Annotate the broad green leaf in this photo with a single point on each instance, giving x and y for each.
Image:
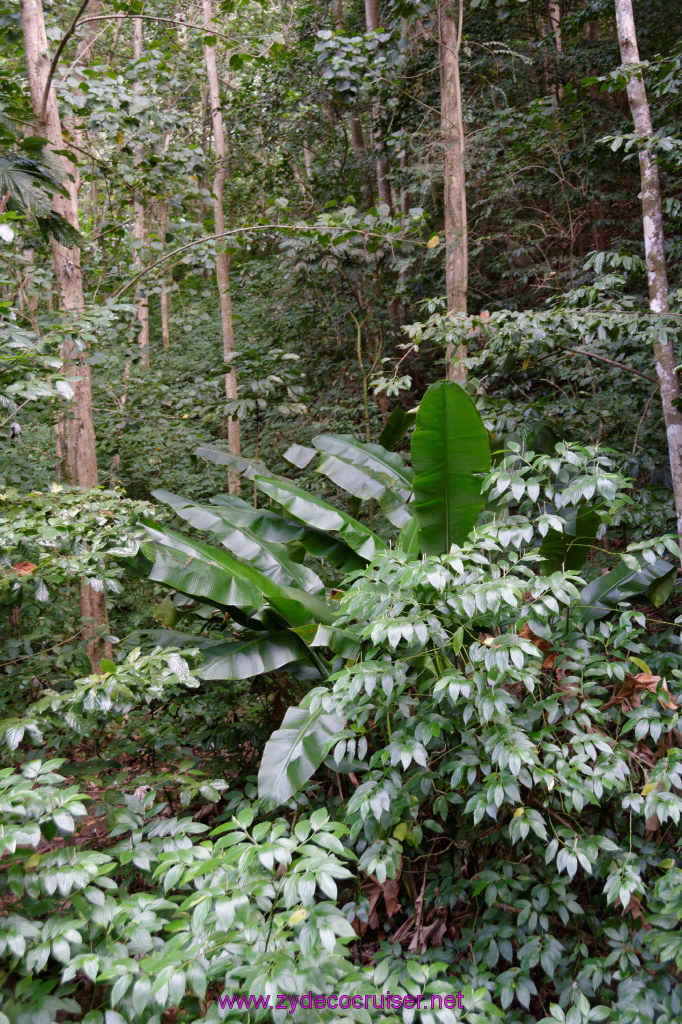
(397, 425)
(318, 514)
(271, 526)
(201, 570)
(622, 583)
(367, 471)
(569, 550)
(295, 751)
(246, 467)
(450, 452)
(269, 557)
(408, 538)
(244, 659)
(299, 455)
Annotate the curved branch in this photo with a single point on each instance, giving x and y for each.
(612, 362)
(244, 230)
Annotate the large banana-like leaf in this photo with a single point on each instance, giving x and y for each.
(367, 471)
(602, 595)
(375, 464)
(271, 526)
(569, 550)
(268, 556)
(450, 452)
(318, 514)
(239, 659)
(243, 659)
(246, 467)
(397, 425)
(295, 751)
(201, 570)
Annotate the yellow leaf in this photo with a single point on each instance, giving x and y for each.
(119, 138)
(400, 831)
(640, 663)
(526, 363)
(518, 812)
(432, 242)
(298, 916)
(649, 788)
(185, 416)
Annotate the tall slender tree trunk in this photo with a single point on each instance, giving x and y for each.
(138, 227)
(454, 181)
(654, 248)
(165, 298)
(222, 258)
(554, 17)
(357, 138)
(78, 434)
(383, 182)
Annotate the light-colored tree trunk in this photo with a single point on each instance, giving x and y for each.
(78, 436)
(384, 190)
(357, 138)
(654, 247)
(165, 287)
(554, 17)
(138, 227)
(222, 258)
(454, 181)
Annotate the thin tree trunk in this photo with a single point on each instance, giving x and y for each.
(654, 248)
(357, 138)
(165, 289)
(383, 183)
(222, 258)
(308, 161)
(454, 181)
(554, 16)
(138, 227)
(78, 434)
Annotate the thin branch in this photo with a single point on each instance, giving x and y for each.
(55, 60)
(320, 228)
(612, 362)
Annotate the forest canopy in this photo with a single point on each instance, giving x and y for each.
(340, 511)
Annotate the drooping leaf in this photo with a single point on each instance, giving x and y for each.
(246, 467)
(397, 425)
(450, 452)
(295, 751)
(243, 659)
(367, 471)
(201, 570)
(268, 556)
(318, 514)
(299, 455)
(570, 549)
(655, 579)
(271, 526)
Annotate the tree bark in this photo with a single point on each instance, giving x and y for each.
(138, 227)
(654, 248)
(78, 433)
(384, 190)
(454, 180)
(357, 138)
(165, 288)
(222, 258)
(554, 17)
